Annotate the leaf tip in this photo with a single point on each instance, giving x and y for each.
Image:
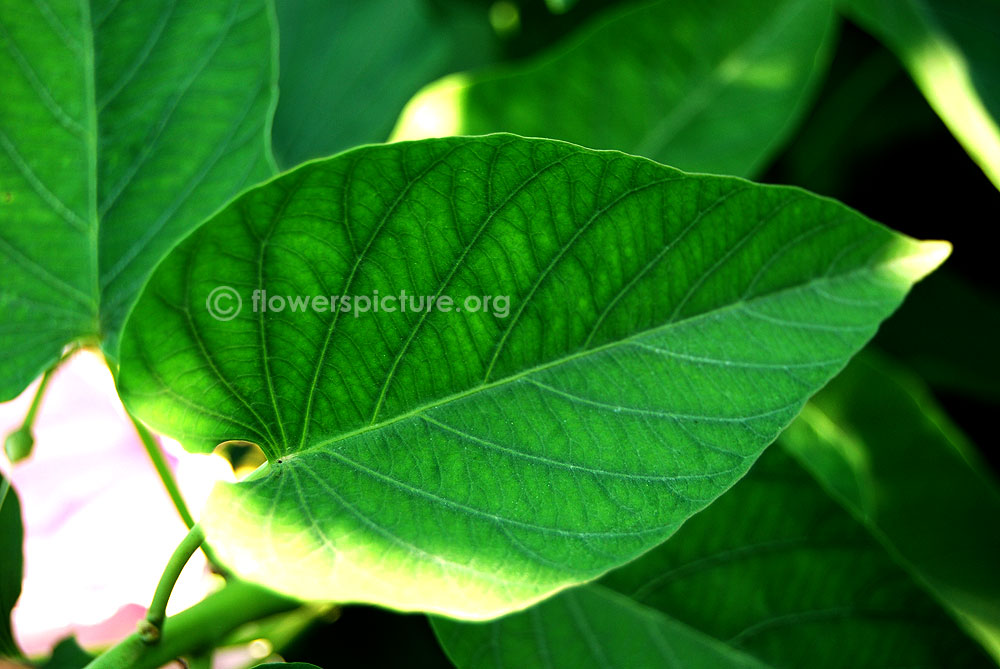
(924, 259)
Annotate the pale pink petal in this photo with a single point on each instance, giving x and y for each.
(99, 526)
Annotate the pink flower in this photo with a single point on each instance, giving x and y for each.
(99, 526)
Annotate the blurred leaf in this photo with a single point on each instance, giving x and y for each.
(774, 570)
(878, 442)
(704, 86)
(348, 68)
(11, 564)
(286, 665)
(560, 6)
(123, 125)
(68, 655)
(950, 49)
(463, 465)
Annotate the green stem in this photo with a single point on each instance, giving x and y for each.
(163, 469)
(197, 629)
(21, 441)
(29, 418)
(158, 609)
(173, 490)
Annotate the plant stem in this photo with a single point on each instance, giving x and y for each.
(197, 629)
(163, 469)
(29, 418)
(20, 442)
(158, 609)
(170, 483)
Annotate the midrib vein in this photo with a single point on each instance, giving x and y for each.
(580, 355)
(90, 146)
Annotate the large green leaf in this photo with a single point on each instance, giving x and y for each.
(348, 68)
(877, 440)
(466, 463)
(11, 564)
(122, 126)
(950, 49)
(775, 570)
(704, 86)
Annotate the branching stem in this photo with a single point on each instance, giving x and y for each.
(157, 613)
(198, 629)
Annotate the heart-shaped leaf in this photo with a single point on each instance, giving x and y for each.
(123, 125)
(775, 570)
(704, 86)
(662, 328)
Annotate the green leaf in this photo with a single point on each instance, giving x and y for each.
(465, 462)
(340, 87)
(877, 440)
(286, 665)
(123, 126)
(774, 570)
(11, 564)
(704, 86)
(950, 49)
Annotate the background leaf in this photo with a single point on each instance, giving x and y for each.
(879, 443)
(11, 564)
(68, 655)
(348, 68)
(589, 626)
(459, 462)
(947, 335)
(706, 87)
(123, 126)
(949, 47)
(774, 570)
